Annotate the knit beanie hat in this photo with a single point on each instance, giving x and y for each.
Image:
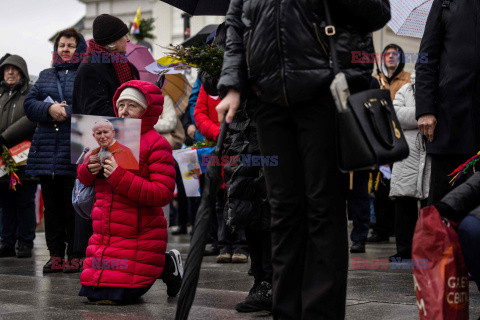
(108, 29)
(133, 94)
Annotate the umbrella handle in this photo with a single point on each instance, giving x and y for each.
(221, 137)
(160, 81)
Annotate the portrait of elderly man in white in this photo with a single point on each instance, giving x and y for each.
(104, 133)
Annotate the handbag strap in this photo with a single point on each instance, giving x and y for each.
(59, 86)
(330, 31)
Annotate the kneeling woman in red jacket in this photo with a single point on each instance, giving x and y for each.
(127, 251)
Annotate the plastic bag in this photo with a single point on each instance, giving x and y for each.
(441, 284)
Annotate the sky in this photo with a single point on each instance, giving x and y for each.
(28, 24)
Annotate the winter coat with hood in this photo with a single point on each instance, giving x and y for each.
(128, 223)
(399, 78)
(448, 83)
(280, 47)
(15, 127)
(206, 116)
(50, 151)
(411, 176)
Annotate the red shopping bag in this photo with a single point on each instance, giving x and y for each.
(441, 285)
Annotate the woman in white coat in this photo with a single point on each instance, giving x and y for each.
(411, 176)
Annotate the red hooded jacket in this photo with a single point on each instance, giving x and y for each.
(127, 248)
(206, 116)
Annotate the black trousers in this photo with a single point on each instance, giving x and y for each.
(442, 166)
(384, 210)
(406, 215)
(260, 248)
(359, 206)
(307, 198)
(18, 214)
(59, 214)
(83, 232)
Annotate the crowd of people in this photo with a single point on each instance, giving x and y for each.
(286, 219)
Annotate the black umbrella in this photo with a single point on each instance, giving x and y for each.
(201, 7)
(201, 36)
(213, 183)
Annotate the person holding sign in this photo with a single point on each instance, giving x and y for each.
(129, 227)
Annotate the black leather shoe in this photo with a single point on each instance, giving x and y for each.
(53, 265)
(73, 265)
(6, 251)
(212, 251)
(24, 251)
(259, 298)
(357, 247)
(375, 238)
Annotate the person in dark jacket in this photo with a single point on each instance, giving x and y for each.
(448, 91)
(463, 205)
(49, 156)
(18, 207)
(105, 69)
(98, 78)
(247, 205)
(295, 120)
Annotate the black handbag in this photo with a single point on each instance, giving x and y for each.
(368, 132)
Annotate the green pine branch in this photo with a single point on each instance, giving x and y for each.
(208, 59)
(146, 28)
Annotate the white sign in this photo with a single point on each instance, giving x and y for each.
(190, 169)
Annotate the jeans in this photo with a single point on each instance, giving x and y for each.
(18, 214)
(228, 241)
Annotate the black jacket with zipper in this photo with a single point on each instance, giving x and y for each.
(280, 47)
(462, 201)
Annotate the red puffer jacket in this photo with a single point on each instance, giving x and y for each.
(205, 115)
(127, 248)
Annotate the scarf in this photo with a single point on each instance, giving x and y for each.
(122, 69)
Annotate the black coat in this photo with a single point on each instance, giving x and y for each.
(463, 200)
(447, 85)
(94, 87)
(247, 202)
(280, 47)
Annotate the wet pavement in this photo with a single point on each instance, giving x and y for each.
(25, 293)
